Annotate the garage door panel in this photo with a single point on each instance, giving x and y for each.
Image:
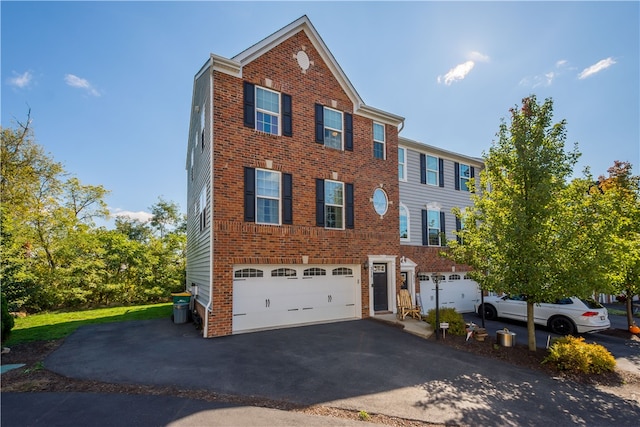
(463, 295)
(266, 302)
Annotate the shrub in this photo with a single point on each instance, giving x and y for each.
(7, 319)
(450, 316)
(573, 354)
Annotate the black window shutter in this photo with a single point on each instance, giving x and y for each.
(443, 236)
(473, 172)
(423, 169)
(287, 126)
(349, 214)
(287, 198)
(458, 228)
(320, 202)
(348, 132)
(457, 175)
(249, 105)
(249, 194)
(441, 172)
(425, 228)
(319, 124)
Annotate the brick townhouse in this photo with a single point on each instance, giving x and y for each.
(293, 192)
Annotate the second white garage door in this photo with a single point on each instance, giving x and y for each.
(456, 291)
(268, 296)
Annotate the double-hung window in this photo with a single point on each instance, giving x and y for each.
(378, 141)
(431, 170)
(404, 222)
(334, 204)
(267, 111)
(268, 196)
(333, 128)
(463, 174)
(402, 164)
(433, 229)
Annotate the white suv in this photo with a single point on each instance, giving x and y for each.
(566, 316)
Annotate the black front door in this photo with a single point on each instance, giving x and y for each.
(380, 297)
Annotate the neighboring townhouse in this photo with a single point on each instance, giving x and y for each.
(432, 182)
(293, 192)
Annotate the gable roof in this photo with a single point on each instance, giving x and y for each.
(441, 152)
(234, 66)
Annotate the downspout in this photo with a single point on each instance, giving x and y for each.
(208, 308)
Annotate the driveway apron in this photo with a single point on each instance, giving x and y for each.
(359, 365)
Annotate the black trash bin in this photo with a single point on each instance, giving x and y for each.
(180, 312)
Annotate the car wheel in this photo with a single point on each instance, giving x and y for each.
(561, 325)
(490, 311)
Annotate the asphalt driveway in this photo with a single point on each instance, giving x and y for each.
(360, 365)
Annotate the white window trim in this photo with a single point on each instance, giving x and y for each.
(271, 113)
(383, 142)
(403, 163)
(408, 238)
(343, 206)
(324, 124)
(279, 198)
(437, 170)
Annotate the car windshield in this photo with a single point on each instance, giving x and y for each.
(591, 303)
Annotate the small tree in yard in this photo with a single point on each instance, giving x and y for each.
(520, 235)
(620, 206)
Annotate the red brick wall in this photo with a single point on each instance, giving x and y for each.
(236, 147)
(429, 260)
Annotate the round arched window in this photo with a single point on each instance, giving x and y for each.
(380, 201)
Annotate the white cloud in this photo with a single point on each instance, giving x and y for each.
(478, 57)
(141, 216)
(75, 81)
(596, 68)
(459, 72)
(561, 63)
(20, 80)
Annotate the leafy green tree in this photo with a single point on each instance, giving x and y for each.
(519, 233)
(619, 195)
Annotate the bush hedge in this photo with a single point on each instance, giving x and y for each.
(574, 355)
(448, 315)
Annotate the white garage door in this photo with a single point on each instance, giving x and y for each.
(456, 291)
(270, 296)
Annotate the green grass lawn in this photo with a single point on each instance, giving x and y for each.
(56, 325)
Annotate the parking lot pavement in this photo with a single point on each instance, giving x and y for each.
(114, 410)
(355, 365)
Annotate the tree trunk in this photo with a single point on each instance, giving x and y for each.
(629, 308)
(531, 327)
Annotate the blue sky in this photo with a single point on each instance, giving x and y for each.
(109, 84)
